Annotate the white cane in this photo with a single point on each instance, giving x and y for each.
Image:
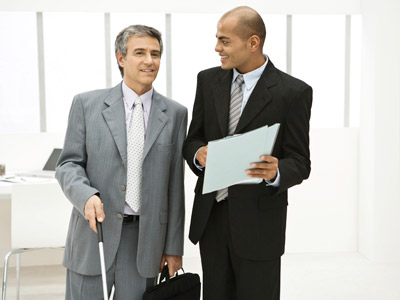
(102, 261)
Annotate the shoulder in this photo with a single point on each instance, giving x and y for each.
(293, 82)
(94, 94)
(287, 88)
(170, 104)
(211, 73)
(99, 96)
(286, 80)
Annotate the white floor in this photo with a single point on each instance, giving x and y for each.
(347, 276)
(338, 277)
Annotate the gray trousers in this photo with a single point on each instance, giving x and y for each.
(123, 274)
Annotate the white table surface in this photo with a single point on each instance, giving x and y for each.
(5, 190)
(5, 187)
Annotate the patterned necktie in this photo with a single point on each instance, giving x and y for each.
(234, 116)
(135, 157)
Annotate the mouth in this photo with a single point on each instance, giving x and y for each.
(224, 57)
(147, 70)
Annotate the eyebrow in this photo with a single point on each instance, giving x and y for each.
(144, 49)
(222, 37)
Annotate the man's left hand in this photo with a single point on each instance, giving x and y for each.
(267, 169)
(174, 263)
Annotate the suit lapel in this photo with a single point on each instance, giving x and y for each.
(156, 122)
(222, 92)
(259, 98)
(114, 115)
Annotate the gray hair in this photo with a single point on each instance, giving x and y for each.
(121, 42)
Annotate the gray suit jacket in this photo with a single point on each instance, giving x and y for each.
(94, 160)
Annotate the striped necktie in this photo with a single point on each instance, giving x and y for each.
(234, 116)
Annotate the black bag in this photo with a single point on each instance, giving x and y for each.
(181, 287)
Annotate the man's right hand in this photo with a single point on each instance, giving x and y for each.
(201, 155)
(93, 210)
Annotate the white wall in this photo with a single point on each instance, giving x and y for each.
(323, 210)
(380, 132)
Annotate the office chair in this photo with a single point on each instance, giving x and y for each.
(39, 219)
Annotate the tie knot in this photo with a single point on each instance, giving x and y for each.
(138, 101)
(239, 80)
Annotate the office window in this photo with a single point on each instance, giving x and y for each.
(19, 83)
(74, 50)
(74, 54)
(275, 41)
(193, 44)
(318, 59)
(120, 21)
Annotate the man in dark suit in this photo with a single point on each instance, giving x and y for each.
(242, 229)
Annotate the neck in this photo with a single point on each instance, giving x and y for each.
(138, 89)
(255, 62)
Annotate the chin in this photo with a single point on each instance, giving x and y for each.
(148, 80)
(226, 67)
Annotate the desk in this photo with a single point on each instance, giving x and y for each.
(5, 186)
(5, 190)
(35, 258)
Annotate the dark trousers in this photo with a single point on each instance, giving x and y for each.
(226, 276)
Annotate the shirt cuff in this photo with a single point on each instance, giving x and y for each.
(276, 182)
(196, 163)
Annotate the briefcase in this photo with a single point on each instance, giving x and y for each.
(185, 286)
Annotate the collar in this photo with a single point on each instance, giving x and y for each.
(130, 97)
(251, 78)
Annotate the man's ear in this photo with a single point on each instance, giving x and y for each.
(253, 43)
(120, 59)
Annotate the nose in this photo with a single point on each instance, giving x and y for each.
(148, 58)
(218, 47)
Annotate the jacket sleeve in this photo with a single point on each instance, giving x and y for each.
(295, 164)
(176, 195)
(195, 138)
(71, 165)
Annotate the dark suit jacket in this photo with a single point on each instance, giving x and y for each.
(257, 213)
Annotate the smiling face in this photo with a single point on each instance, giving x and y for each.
(231, 47)
(141, 63)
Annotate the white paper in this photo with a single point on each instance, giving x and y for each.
(230, 157)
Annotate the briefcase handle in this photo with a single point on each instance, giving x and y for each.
(165, 274)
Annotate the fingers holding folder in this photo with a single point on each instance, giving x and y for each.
(267, 169)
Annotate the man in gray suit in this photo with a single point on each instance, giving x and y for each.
(140, 206)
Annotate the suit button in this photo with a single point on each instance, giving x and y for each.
(120, 216)
(122, 162)
(123, 188)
